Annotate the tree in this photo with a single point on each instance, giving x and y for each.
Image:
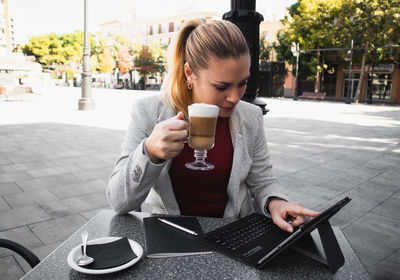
(72, 46)
(118, 44)
(94, 63)
(52, 50)
(158, 52)
(320, 24)
(312, 23)
(106, 62)
(144, 62)
(98, 43)
(369, 23)
(124, 60)
(264, 51)
(47, 49)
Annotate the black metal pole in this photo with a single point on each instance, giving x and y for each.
(243, 14)
(350, 87)
(322, 85)
(296, 84)
(371, 87)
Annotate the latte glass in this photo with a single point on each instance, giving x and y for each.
(202, 124)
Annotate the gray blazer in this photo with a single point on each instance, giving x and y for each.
(137, 182)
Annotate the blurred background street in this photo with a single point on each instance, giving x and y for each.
(331, 85)
(55, 162)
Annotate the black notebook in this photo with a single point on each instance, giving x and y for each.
(163, 240)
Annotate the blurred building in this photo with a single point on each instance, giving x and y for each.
(126, 25)
(16, 69)
(6, 28)
(269, 31)
(274, 79)
(151, 31)
(382, 79)
(162, 30)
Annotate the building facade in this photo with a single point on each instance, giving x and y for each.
(162, 30)
(382, 84)
(127, 25)
(338, 82)
(153, 31)
(269, 31)
(6, 28)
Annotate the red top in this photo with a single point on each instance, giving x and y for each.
(203, 193)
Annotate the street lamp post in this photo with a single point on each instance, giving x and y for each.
(295, 48)
(350, 86)
(86, 102)
(243, 13)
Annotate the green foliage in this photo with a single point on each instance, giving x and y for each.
(59, 51)
(109, 51)
(52, 49)
(150, 59)
(376, 22)
(106, 62)
(159, 56)
(124, 60)
(94, 63)
(312, 24)
(98, 44)
(317, 24)
(306, 60)
(121, 43)
(264, 51)
(144, 61)
(47, 49)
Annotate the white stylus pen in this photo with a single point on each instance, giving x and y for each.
(177, 226)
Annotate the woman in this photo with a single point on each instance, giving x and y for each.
(210, 64)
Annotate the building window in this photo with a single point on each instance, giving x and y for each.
(171, 27)
(151, 30)
(159, 28)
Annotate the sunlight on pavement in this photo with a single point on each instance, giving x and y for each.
(59, 105)
(358, 114)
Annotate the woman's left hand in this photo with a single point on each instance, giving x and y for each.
(281, 210)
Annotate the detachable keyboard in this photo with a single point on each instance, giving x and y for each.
(238, 234)
(247, 239)
(255, 239)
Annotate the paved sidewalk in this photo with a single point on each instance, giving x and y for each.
(54, 164)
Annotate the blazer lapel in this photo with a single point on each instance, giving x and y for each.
(232, 207)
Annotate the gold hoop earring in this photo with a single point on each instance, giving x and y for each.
(189, 86)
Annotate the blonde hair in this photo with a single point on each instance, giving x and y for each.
(196, 43)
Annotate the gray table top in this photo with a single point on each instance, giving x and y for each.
(209, 266)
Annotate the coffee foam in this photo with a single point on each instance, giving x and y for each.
(203, 110)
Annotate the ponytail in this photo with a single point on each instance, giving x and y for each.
(179, 95)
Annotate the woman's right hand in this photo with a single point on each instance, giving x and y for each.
(167, 139)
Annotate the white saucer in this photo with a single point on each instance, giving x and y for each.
(75, 253)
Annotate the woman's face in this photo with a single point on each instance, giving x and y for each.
(222, 84)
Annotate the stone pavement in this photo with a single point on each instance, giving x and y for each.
(55, 161)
